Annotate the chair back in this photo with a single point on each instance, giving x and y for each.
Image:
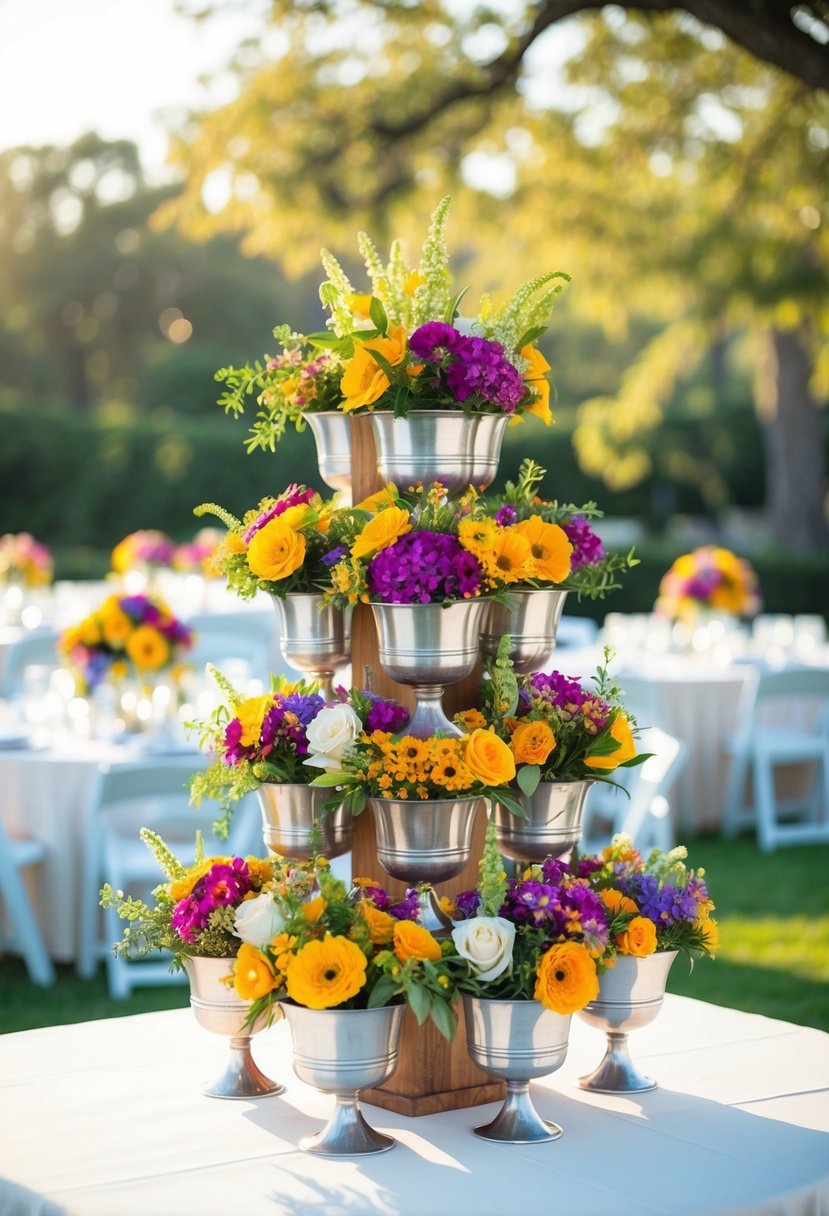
(643, 811)
(797, 697)
(38, 648)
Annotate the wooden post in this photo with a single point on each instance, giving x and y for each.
(432, 1075)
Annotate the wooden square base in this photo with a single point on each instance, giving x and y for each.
(434, 1075)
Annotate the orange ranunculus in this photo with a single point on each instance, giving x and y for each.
(566, 979)
(253, 975)
(387, 497)
(550, 548)
(313, 909)
(621, 732)
(532, 742)
(326, 973)
(639, 939)
(276, 550)
(363, 380)
(615, 901)
(489, 758)
(380, 924)
(413, 941)
(148, 648)
(383, 530)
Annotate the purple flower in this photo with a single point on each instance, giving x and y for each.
(294, 496)
(530, 902)
(408, 908)
(375, 895)
(187, 919)
(224, 884)
(386, 715)
(467, 904)
(334, 556)
(556, 688)
(555, 871)
(424, 568)
(587, 547)
(434, 340)
(480, 369)
(506, 516)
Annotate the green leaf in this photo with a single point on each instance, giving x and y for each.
(378, 315)
(528, 777)
(420, 1002)
(330, 777)
(507, 800)
(444, 1018)
(382, 992)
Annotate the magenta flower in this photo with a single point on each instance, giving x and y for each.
(424, 568)
(588, 549)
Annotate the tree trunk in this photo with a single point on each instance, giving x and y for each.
(796, 491)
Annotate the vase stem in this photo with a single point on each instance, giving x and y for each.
(617, 1072)
(346, 1133)
(428, 718)
(518, 1122)
(242, 1077)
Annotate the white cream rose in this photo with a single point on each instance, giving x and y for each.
(486, 942)
(330, 735)
(258, 920)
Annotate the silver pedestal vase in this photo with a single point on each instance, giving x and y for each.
(424, 841)
(332, 434)
(342, 1051)
(218, 1009)
(516, 1041)
(553, 821)
(314, 638)
(630, 996)
(531, 618)
(294, 826)
(426, 647)
(438, 445)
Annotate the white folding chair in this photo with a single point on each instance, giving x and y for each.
(37, 648)
(232, 650)
(125, 798)
(784, 721)
(26, 937)
(644, 812)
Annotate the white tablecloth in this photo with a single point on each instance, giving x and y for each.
(107, 1119)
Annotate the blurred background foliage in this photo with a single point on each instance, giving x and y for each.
(678, 178)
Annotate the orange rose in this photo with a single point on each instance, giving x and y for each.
(253, 975)
(380, 925)
(413, 941)
(639, 939)
(532, 742)
(566, 979)
(387, 527)
(489, 758)
(626, 749)
(276, 550)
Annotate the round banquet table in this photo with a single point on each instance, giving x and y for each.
(107, 1119)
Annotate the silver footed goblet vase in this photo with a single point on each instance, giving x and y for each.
(631, 995)
(219, 1009)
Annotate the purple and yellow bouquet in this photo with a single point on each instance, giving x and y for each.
(201, 910)
(149, 548)
(288, 543)
(709, 578)
(199, 555)
(127, 635)
(654, 903)
(24, 560)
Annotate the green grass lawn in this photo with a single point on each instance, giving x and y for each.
(772, 909)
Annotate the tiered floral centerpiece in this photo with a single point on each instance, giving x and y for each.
(710, 579)
(24, 560)
(147, 550)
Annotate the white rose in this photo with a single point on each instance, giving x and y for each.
(486, 942)
(258, 920)
(330, 735)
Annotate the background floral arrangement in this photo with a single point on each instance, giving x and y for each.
(397, 346)
(201, 910)
(541, 936)
(24, 560)
(591, 570)
(557, 729)
(327, 948)
(379, 764)
(127, 635)
(283, 736)
(147, 548)
(709, 578)
(655, 903)
(285, 544)
(198, 556)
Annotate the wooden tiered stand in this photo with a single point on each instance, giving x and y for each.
(432, 1075)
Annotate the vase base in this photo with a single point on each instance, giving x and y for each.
(242, 1079)
(354, 1140)
(612, 1078)
(508, 1131)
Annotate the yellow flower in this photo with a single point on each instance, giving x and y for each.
(379, 924)
(489, 758)
(326, 973)
(413, 941)
(550, 548)
(253, 975)
(314, 908)
(383, 530)
(148, 648)
(532, 742)
(639, 939)
(471, 719)
(412, 281)
(276, 550)
(510, 560)
(116, 627)
(566, 978)
(387, 497)
(360, 304)
(615, 901)
(535, 376)
(363, 381)
(477, 535)
(621, 732)
(710, 933)
(251, 714)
